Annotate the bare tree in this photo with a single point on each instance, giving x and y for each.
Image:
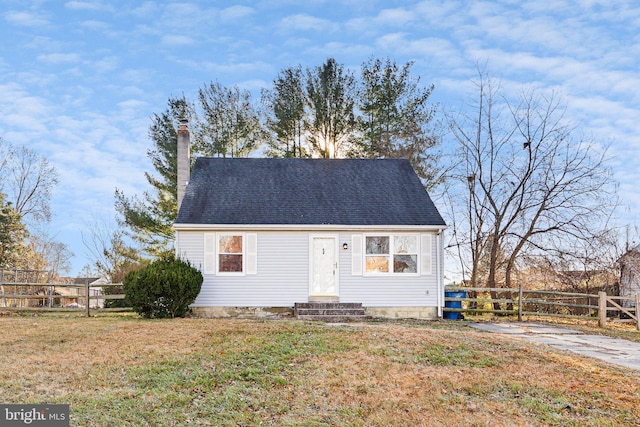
(53, 256)
(108, 251)
(28, 182)
(529, 184)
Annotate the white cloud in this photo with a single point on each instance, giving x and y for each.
(23, 114)
(342, 51)
(86, 5)
(230, 69)
(394, 17)
(235, 12)
(25, 19)
(105, 64)
(177, 40)
(427, 48)
(303, 22)
(59, 58)
(95, 25)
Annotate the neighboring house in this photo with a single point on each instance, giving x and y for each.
(269, 233)
(630, 272)
(95, 292)
(50, 292)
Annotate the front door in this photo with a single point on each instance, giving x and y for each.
(324, 266)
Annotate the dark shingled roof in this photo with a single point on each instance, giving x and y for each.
(306, 191)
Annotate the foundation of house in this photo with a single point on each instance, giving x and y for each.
(426, 313)
(242, 312)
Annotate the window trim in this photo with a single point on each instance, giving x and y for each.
(211, 262)
(391, 255)
(243, 236)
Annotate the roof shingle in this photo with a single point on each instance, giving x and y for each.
(306, 191)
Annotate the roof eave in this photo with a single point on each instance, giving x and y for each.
(305, 227)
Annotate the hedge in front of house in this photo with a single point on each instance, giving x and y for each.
(163, 289)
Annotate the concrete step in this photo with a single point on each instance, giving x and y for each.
(329, 312)
(331, 319)
(328, 305)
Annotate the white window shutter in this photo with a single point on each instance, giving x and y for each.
(209, 253)
(356, 255)
(252, 254)
(425, 254)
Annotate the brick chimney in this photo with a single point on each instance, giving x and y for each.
(184, 163)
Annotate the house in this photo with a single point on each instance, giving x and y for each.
(270, 233)
(95, 290)
(629, 264)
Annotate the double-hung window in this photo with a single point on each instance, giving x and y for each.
(389, 254)
(230, 253)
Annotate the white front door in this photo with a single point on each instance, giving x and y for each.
(324, 267)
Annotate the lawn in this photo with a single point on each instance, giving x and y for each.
(126, 371)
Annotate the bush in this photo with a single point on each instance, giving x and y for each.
(163, 289)
(114, 303)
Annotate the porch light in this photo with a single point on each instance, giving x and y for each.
(345, 246)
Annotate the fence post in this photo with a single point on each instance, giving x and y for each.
(520, 302)
(87, 300)
(638, 312)
(602, 309)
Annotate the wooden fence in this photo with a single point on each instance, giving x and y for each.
(17, 295)
(502, 301)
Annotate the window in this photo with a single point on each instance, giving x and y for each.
(391, 254)
(230, 254)
(377, 255)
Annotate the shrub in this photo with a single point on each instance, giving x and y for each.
(163, 289)
(114, 303)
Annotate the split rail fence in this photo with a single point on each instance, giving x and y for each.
(518, 302)
(22, 290)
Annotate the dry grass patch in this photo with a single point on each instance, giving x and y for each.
(119, 371)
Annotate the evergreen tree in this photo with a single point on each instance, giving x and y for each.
(12, 236)
(285, 114)
(150, 218)
(230, 126)
(396, 119)
(331, 101)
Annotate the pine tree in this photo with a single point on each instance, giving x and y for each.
(396, 118)
(285, 114)
(331, 100)
(230, 126)
(150, 218)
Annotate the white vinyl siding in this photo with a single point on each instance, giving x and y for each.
(282, 271)
(279, 260)
(385, 290)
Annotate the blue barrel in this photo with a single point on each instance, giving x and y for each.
(453, 315)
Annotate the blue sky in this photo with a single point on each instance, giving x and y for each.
(80, 80)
